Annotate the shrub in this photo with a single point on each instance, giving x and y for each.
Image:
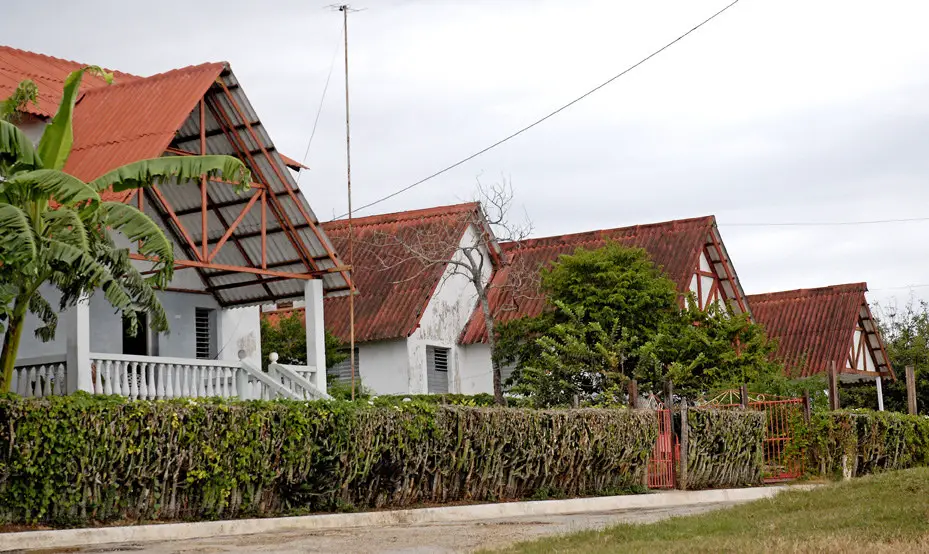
(725, 448)
(80, 459)
(868, 442)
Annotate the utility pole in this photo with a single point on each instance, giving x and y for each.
(344, 8)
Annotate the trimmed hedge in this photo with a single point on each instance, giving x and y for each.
(868, 442)
(80, 459)
(725, 448)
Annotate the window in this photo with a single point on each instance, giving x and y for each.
(205, 333)
(437, 360)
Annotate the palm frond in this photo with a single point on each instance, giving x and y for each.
(58, 185)
(136, 226)
(16, 149)
(66, 225)
(58, 137)
(181, 168)
(17, 240)
(40, 308)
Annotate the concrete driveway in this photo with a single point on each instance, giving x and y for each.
(407, 539)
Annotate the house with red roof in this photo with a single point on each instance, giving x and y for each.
(691, 252)
(412, 300)
(233, 251)
(821, 327)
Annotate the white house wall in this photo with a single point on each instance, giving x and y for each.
(474, 369)
(385, 366)
(444, 318)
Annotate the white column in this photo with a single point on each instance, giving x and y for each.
(880, 394)
(315, 331)
(78, 344)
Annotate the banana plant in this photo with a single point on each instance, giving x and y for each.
(56, 230)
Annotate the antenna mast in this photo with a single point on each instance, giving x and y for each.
(344, 8)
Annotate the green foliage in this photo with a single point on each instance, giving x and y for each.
(614, 316)
(725, 448)
(78, 459)
(863, 442)
(26, 93)
(55, 230)
(576, 359)
(472, 400)
(286, 335)
(905, 332)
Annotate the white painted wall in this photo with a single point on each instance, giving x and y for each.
(385, 366)
(474, 369)
(444, 318)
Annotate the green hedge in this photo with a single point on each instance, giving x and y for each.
(724, 448)
(868, 442)
(80, 459)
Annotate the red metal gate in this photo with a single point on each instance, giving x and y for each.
(661, 464)
(781, 461)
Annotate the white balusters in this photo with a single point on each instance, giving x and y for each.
(40, 376)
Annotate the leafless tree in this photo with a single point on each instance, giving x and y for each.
(432, 245)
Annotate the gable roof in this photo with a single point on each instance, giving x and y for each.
(674, 246)
(393, 288)
(270, 248)
(817, 326)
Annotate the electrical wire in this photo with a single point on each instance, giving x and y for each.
(319, 110)
(550, 115)
(825, 223)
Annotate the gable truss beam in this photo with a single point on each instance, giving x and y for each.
(227, 204)
(319, 236)
(730, 275)
(238, 269)
(211, 133)
(276, 208)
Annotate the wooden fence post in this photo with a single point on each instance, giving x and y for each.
(633, 389)
(669, 393)
(806, 405)
(685, 440)
(911, 389)
(743, 396)
(833, 387)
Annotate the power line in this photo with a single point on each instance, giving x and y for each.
(319, 110)
(552, 114)
(826, 223)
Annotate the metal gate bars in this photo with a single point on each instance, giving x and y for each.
(781, 464)
(661, 464)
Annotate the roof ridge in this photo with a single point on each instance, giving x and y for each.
(418, 214)
(601, 234)
(20, 51)
(844, 288)
(156, 77)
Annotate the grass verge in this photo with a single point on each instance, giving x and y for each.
(881, 513)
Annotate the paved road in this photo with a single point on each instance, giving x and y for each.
(407, 539)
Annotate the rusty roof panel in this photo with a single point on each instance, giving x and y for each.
(813, 326)
(391, 298)
(674, 246)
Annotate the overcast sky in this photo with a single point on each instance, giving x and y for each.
(778, 111)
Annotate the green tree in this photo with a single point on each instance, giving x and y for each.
(286, 335)
(906, 339)
(705, 351)
(55, 229)
(614, 316)
(577, 361)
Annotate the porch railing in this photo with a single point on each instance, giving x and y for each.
(296, 378)
(41, 376)
(149, 378)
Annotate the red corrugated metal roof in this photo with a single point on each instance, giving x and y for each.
(813, 326)
(120, 124)
(390, 300)
(49, 74)
(674, 246)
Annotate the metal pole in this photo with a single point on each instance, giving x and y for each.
(348, 179)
